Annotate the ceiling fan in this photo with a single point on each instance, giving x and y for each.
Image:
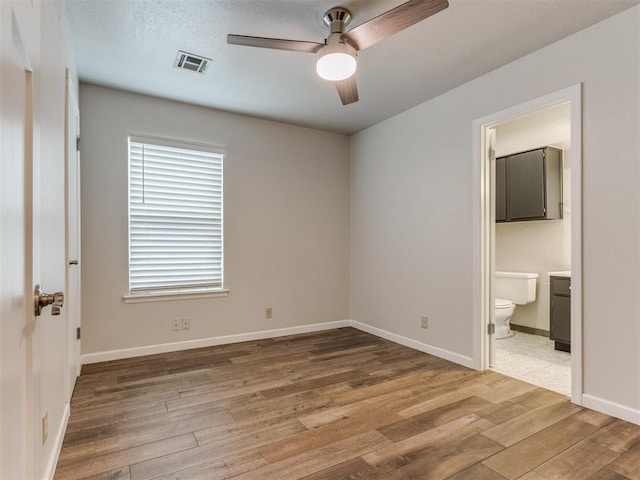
(337, 55)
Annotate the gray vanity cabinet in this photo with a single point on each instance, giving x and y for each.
(560, 313)
(529, 186)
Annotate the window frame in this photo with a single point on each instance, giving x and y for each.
(152, 294)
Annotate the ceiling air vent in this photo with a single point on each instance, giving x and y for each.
(190, 61)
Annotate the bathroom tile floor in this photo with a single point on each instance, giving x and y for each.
(532, 359)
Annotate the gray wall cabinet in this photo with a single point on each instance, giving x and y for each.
(529, 186)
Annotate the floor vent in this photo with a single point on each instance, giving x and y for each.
(190, 61)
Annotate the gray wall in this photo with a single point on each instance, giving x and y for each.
(286, 223)
(412, 206)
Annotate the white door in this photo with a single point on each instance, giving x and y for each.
(72, 207)
(16, 252)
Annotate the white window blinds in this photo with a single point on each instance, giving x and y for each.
(175, 216)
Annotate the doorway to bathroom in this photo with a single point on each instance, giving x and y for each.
(527, 259)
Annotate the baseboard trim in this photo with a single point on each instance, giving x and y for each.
(415, 344)
(209, 342)
(531, 330)
(611, 408)
(50, 469)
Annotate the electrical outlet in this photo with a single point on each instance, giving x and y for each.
(45, 427)
(186, 323)
(177, 324)
(268, 312)
(424, 321)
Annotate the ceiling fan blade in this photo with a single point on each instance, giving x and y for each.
(275, 43)
(392, 22)
(348, 90)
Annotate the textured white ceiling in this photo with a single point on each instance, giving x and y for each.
(132, 44)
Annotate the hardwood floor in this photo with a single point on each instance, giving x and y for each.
(340, 404)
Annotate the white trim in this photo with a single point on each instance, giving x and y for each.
(175, 143)
(611, 408)
(575, 97)
(209, 342)
(168, 295)
(479, 255)
(482, 256)
(484, 245)
(50, 469)
(415, 344)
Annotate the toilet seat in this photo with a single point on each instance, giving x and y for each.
(503, 303)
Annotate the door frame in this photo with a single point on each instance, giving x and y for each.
(72, 301)
(484, 228)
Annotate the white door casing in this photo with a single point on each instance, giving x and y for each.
(491, 239)
(483, 248)
(72, 244)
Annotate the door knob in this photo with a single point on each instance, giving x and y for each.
(42, 299)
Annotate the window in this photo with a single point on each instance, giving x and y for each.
(175, 217)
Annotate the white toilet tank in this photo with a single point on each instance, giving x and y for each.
(519, 287)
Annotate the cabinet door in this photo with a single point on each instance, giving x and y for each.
(501, 189)
(525, 186)
(561, 319)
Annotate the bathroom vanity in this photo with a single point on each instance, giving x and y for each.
(560, 310)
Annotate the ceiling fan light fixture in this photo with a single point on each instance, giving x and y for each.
(336, 60)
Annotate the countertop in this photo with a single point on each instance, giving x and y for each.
(562, 273)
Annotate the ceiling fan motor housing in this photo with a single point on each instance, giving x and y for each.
(337, 19)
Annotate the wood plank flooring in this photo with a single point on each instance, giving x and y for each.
(335, 405)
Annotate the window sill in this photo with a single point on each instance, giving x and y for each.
(170, 295)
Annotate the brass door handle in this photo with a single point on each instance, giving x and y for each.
(42, 299)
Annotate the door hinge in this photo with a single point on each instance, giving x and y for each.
(78, 143)
(78, 333)
(491, 329)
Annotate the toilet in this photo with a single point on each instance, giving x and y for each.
(511, 289)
